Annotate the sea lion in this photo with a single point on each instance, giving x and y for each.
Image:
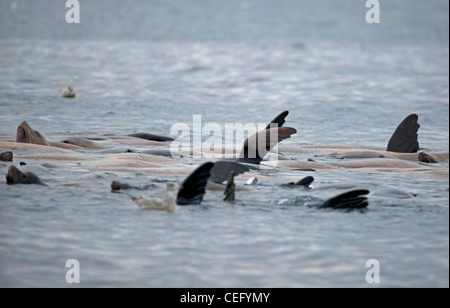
(375, 163)
(6, 156)
(25, 134)
(85, 143)
(116, 186)
(67, 92)
(15, 176)
(167, 203)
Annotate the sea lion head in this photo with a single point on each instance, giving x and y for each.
(6, 156)
(25, 134)
(426, 158)
(15, 176)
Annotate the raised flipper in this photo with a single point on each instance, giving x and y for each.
(350, 200)
(228, 195)
(257, 146)
(405, 138)
(193, 188)
(221, 170)
(305, 183)
(278, 121)
(152, 137)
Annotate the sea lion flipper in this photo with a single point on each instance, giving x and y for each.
(193, 188)
(305, 181)
(254, 150)
(152, 137)
(278, 121)
(405, 138)
(221, 170)
(350, 200)
(229, 189)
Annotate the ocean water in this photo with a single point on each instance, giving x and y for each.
(146, 65)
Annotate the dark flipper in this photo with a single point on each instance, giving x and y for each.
(305, 181)
(152, 137)
(255, 149)
(193, 188)
(278, 121)
(221, 170)
(405, 139)
(350, 200)
(228, 195)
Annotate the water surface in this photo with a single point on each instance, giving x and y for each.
(145, 66)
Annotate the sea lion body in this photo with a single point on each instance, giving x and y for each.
(85, 143)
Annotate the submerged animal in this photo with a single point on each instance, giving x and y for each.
(116, 186)
(15, 176)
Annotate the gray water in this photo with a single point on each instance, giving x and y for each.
(145, 65)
